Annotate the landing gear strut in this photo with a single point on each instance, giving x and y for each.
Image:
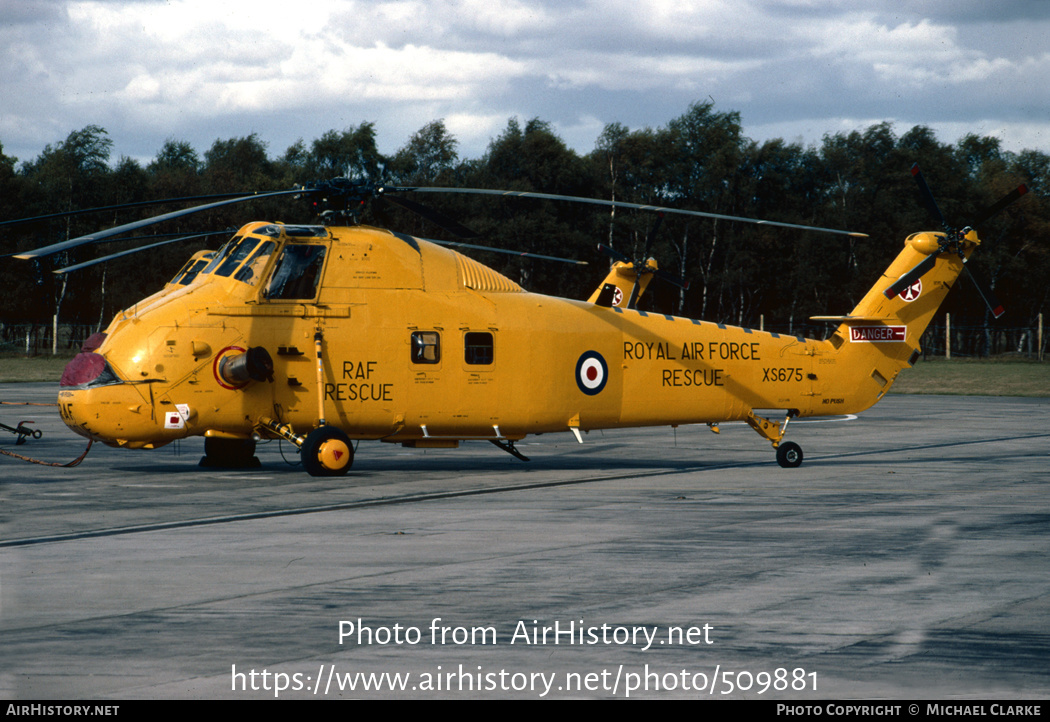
(509, 447)
(325, 451)
(789, 454)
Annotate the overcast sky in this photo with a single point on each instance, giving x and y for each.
(198, 70)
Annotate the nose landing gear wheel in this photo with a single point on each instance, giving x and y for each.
(789, 455)
(327, 452)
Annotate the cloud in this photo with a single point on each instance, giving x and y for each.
(197, 70)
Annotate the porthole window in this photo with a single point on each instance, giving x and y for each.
(426, 347)
(477, 347)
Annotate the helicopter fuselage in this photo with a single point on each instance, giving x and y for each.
(420, 345)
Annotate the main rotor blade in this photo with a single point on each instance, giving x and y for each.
(927, 198)
(987, 296)
(909, 278)
(95, 262)
(128, 238)
(118, 207)
(116, 231)
(652, 235)
(506, 251)
(999, 205)
(638, 206)
(436, 217)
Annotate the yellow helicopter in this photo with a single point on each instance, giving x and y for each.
(328, 334)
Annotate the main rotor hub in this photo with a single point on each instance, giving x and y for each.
(340, 200)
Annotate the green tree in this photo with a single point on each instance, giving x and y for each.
(429, 157)
(705, 147)
(71, 175)
(175, 171)
(237, 164)
(534, 158)
(351, 153)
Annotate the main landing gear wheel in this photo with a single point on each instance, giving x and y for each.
(789, 455)
(327, 452)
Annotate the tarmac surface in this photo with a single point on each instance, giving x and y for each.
(908, 558)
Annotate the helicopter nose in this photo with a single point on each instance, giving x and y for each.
(83, 369)
(95, 402)
(87, 366)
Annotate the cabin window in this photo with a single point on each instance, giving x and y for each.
(426, 347)
(477, 346)
(297, 272)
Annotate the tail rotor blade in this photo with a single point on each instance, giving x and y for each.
(614, 254)
(954, 241)
(927, 197)
(909, 278)
(987, 296)
(1001, 204)
(672, 279)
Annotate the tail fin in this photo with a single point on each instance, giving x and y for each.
(880, 337)
(622, 277)
(910, 310)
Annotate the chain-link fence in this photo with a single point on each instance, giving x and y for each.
(35, 339)
(947, 338)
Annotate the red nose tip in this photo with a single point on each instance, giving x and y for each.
(83, 369)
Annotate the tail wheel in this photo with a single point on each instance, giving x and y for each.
(789, 455)
(327, 452)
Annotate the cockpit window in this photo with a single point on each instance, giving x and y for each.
(253, 267)
(296, 273)
(182, 272)
(235, 256)
(195, 267)
(223, 253)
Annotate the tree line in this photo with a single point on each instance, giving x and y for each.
(701, 160)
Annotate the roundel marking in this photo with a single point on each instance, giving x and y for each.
(591, 373)
(215, 367)
(912, 292)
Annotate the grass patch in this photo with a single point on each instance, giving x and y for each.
(975, 377)
(19, 369)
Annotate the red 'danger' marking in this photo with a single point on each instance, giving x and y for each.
(878, 334)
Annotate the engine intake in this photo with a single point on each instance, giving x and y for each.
(255, 364)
